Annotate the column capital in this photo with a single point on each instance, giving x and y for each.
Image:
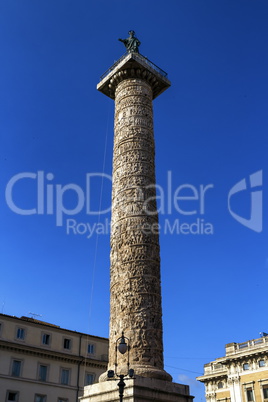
(133, 65)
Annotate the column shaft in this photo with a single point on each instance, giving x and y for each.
(135, 258)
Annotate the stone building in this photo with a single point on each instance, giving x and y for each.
(241, 375)
(41, 362)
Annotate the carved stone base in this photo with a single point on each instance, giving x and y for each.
(139, 389)
(142, 371)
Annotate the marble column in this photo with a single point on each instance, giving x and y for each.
(135, 284)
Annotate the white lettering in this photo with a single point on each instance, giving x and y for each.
(60, 191)
(9, 194)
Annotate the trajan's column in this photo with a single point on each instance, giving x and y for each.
(135, 288)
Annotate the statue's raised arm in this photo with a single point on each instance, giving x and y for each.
(131, 43)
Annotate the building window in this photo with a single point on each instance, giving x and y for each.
(40, 398)
(65, 376)
(262, 363)
(12, 396)
(220, 384)
(45, 339)
(89, 378)
(91, 349)
(246, 366)
(0, 328)
(42, 372)
(20, 333)
(249, 392)
(16, 368)
(265, 392)
(62, 400)
(67, 343)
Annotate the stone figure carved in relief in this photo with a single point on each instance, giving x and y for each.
(131, 43)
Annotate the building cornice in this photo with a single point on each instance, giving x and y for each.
(51, 354)
(245, 357)
(213, 376)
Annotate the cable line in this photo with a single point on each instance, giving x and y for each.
(179, 368)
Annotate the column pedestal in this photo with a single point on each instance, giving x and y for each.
(139, 389)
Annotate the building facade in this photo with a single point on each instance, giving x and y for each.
(41, 362)
(241, 375)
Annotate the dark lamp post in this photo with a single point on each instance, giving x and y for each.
(122, 346)
(121, 386)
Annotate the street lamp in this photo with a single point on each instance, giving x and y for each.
(122, 347)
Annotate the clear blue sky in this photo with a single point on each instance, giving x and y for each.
(210, 128)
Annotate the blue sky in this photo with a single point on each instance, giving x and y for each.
(210, 129)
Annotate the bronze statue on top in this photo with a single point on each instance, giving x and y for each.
(131, 43)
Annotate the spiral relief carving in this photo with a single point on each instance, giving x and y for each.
(135, 305)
